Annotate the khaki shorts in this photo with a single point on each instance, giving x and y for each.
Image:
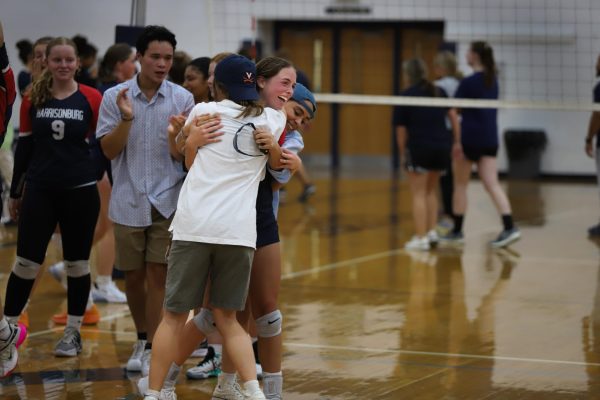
(136, 246)
(192, 264)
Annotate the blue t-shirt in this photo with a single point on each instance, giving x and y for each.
(426, 126)
(597, 100)
(479, 126)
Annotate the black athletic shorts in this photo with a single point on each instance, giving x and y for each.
(424, 158)
(267, 230)
(475, 153)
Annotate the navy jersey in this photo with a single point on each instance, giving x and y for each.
(425, 125)
(53, 148)
(597, 100)
(479, 126)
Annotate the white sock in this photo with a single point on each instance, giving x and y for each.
(226, 378)
(90, 302)
(171, 378)
(273, 383)
(218, 348)
(252, 386)
(103, 280)
(74, 321)
(5, 330)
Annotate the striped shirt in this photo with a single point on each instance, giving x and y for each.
(145, 175)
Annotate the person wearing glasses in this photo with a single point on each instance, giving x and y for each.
(214, 227)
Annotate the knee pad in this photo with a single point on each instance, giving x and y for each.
(77, 269)
(269, 325)
(26, 269)
(205, 321)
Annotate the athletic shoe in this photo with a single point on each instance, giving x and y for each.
(208, 368)
(452, 239)
(257, 395)
(108, 293)
(417, 243)
(134, 364)
(58, 272)
(257, 360)
(594, 231)
(9, 355)
(444, 226)
(165, 393)
(201, 351)
(90, 317)
(309, 190)
(506, 237)
(231, 391)
(146, 357)
(70, 344)
(433, 237)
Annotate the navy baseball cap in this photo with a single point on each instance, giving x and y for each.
(301, 95)
(238, 75)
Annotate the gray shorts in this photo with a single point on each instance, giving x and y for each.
(192, 264)
(136, 246)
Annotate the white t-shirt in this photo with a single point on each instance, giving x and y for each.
(217, 203)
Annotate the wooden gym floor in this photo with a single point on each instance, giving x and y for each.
(365, 319)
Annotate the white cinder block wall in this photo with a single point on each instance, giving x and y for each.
(546, 48)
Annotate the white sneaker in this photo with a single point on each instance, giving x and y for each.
(258, 395)
(418, 243)
(433, 237)
(146, 362)
(58, 272)
(228, 392)
(9, 356)
(165, 393)
(108, 293)
(134, 363)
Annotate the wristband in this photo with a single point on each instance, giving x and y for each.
(127, 119)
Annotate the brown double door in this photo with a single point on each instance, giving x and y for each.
(355, 59)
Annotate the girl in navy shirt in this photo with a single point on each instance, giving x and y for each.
(425, 142)
(54, 183)
(478, 145)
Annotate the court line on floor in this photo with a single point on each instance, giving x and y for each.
(59, 328)
(438, 354)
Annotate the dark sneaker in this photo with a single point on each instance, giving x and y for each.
(452, 239)
(594, 231)
(309, 190)
(506, 237)
(70, 344)
(208, 368)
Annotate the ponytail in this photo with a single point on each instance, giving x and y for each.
(486, 57)
(251, 108)
(41, 89)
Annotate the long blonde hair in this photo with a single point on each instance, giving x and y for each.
(41, 90)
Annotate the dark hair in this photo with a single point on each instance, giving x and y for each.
(268, 67)
(41, 90)
(415, 70)
(84, 48)
(118, 52)
(181, 59)
(201, 65)
(25, 48)
(252, 108)
(486, 56)
(154, 33)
